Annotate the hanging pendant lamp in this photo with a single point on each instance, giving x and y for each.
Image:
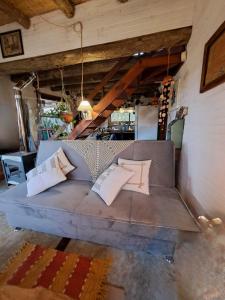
(84, 106)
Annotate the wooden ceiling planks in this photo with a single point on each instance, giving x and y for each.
(35, 8)
(17, 15)
(28, 8)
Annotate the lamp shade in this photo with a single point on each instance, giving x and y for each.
(84, 106)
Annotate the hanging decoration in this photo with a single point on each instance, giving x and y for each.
(167, 93)
(165, 98)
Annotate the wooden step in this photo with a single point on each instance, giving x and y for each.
(111, 107)
(92, 126)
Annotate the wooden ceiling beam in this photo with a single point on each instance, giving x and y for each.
(108, 77)
(147, 62)
(16, 15)
(113, 50)
(94, 69)
(66, 7)
(88, 87)
(90, 78)
(45, 96)
(76, 2)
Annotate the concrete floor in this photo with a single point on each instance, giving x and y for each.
(197, 274)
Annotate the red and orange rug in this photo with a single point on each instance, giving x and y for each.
(76, 276)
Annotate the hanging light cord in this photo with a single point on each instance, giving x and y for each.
(78, 28)
(80, 31)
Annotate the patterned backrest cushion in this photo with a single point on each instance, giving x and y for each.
(93, 157)
(48, 148)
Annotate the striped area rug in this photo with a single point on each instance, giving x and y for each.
(76, 276)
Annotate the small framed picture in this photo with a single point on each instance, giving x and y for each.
(11, 43)
(213, 68)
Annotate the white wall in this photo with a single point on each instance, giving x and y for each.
(202, 172)
(9, 138)
(104, 21)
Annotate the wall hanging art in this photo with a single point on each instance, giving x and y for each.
(11, 43)
(213, 68)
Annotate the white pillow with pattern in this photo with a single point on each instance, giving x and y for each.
(64, 163)
(110, 182)
(139, 182)
(44, 176)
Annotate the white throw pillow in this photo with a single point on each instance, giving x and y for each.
(110, 182)
(139, 182)
(64, 163)
(44, 176)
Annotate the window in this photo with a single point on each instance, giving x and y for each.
(117, 116)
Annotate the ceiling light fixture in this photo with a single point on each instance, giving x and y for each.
(84, 106)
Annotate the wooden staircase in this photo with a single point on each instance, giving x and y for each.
(116, 97)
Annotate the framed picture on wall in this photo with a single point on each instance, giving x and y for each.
(11, 43)
(213, 68)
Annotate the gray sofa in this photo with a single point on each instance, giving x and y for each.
(134, 221)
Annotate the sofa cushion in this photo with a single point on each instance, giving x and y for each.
(160, 152)
(64, 196)
(110, 182)
(139, 182)
(64, 163)
(47, 175)
(48, 148)
(163, 207)
(119, 210)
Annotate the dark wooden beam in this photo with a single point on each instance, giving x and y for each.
(66, 7)
(45, 96)
(11, 11)
(76, 2)
(88, 79)
(123, 48)
(92, 69)
(152, 75)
